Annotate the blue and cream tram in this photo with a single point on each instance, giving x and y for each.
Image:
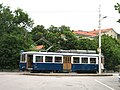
(59, 62)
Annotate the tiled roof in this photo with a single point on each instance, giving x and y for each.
(39, 47)
(91, 33)
(102, 30)
(86, 33)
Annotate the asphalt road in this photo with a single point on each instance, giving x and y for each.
(26, 82)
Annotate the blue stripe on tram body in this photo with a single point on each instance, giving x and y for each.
(48, 66)
(84, 67)
(22, 66)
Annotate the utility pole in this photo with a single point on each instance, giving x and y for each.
(99, 39)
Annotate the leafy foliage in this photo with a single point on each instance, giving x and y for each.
(117, 7)
(111, 51)
(59, 37)
(14, 36)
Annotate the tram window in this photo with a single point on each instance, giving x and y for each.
(76, 60)
(84, 60)
(58, 59)
(39, 58)
(23, 58)
(92, 60)
(48, 58)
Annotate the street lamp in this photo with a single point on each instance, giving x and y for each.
(100, 38)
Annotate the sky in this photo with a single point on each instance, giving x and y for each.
(77, 14)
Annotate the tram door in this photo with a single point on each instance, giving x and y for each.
(67, 63)
(29, 61)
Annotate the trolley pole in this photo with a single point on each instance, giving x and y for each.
(99, 39)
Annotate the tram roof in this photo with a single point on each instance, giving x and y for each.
(58, 53)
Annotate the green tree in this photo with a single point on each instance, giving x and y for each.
(14, 36)
(86, 44)
(117, 7)
(69, 41)
(58, 37)
(111, 51)
(37, 32)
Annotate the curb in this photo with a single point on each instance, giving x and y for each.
(68, 74)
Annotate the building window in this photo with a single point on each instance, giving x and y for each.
(58, 59)
(39, 58)
(84, 60)
(76, 60)
(48, 58)
(92, 60)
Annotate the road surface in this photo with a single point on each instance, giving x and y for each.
(26, 82)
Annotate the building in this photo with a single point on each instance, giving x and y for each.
(84, 34)
(108, 31)
(94, 33)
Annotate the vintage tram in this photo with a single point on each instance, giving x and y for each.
(59, 62)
